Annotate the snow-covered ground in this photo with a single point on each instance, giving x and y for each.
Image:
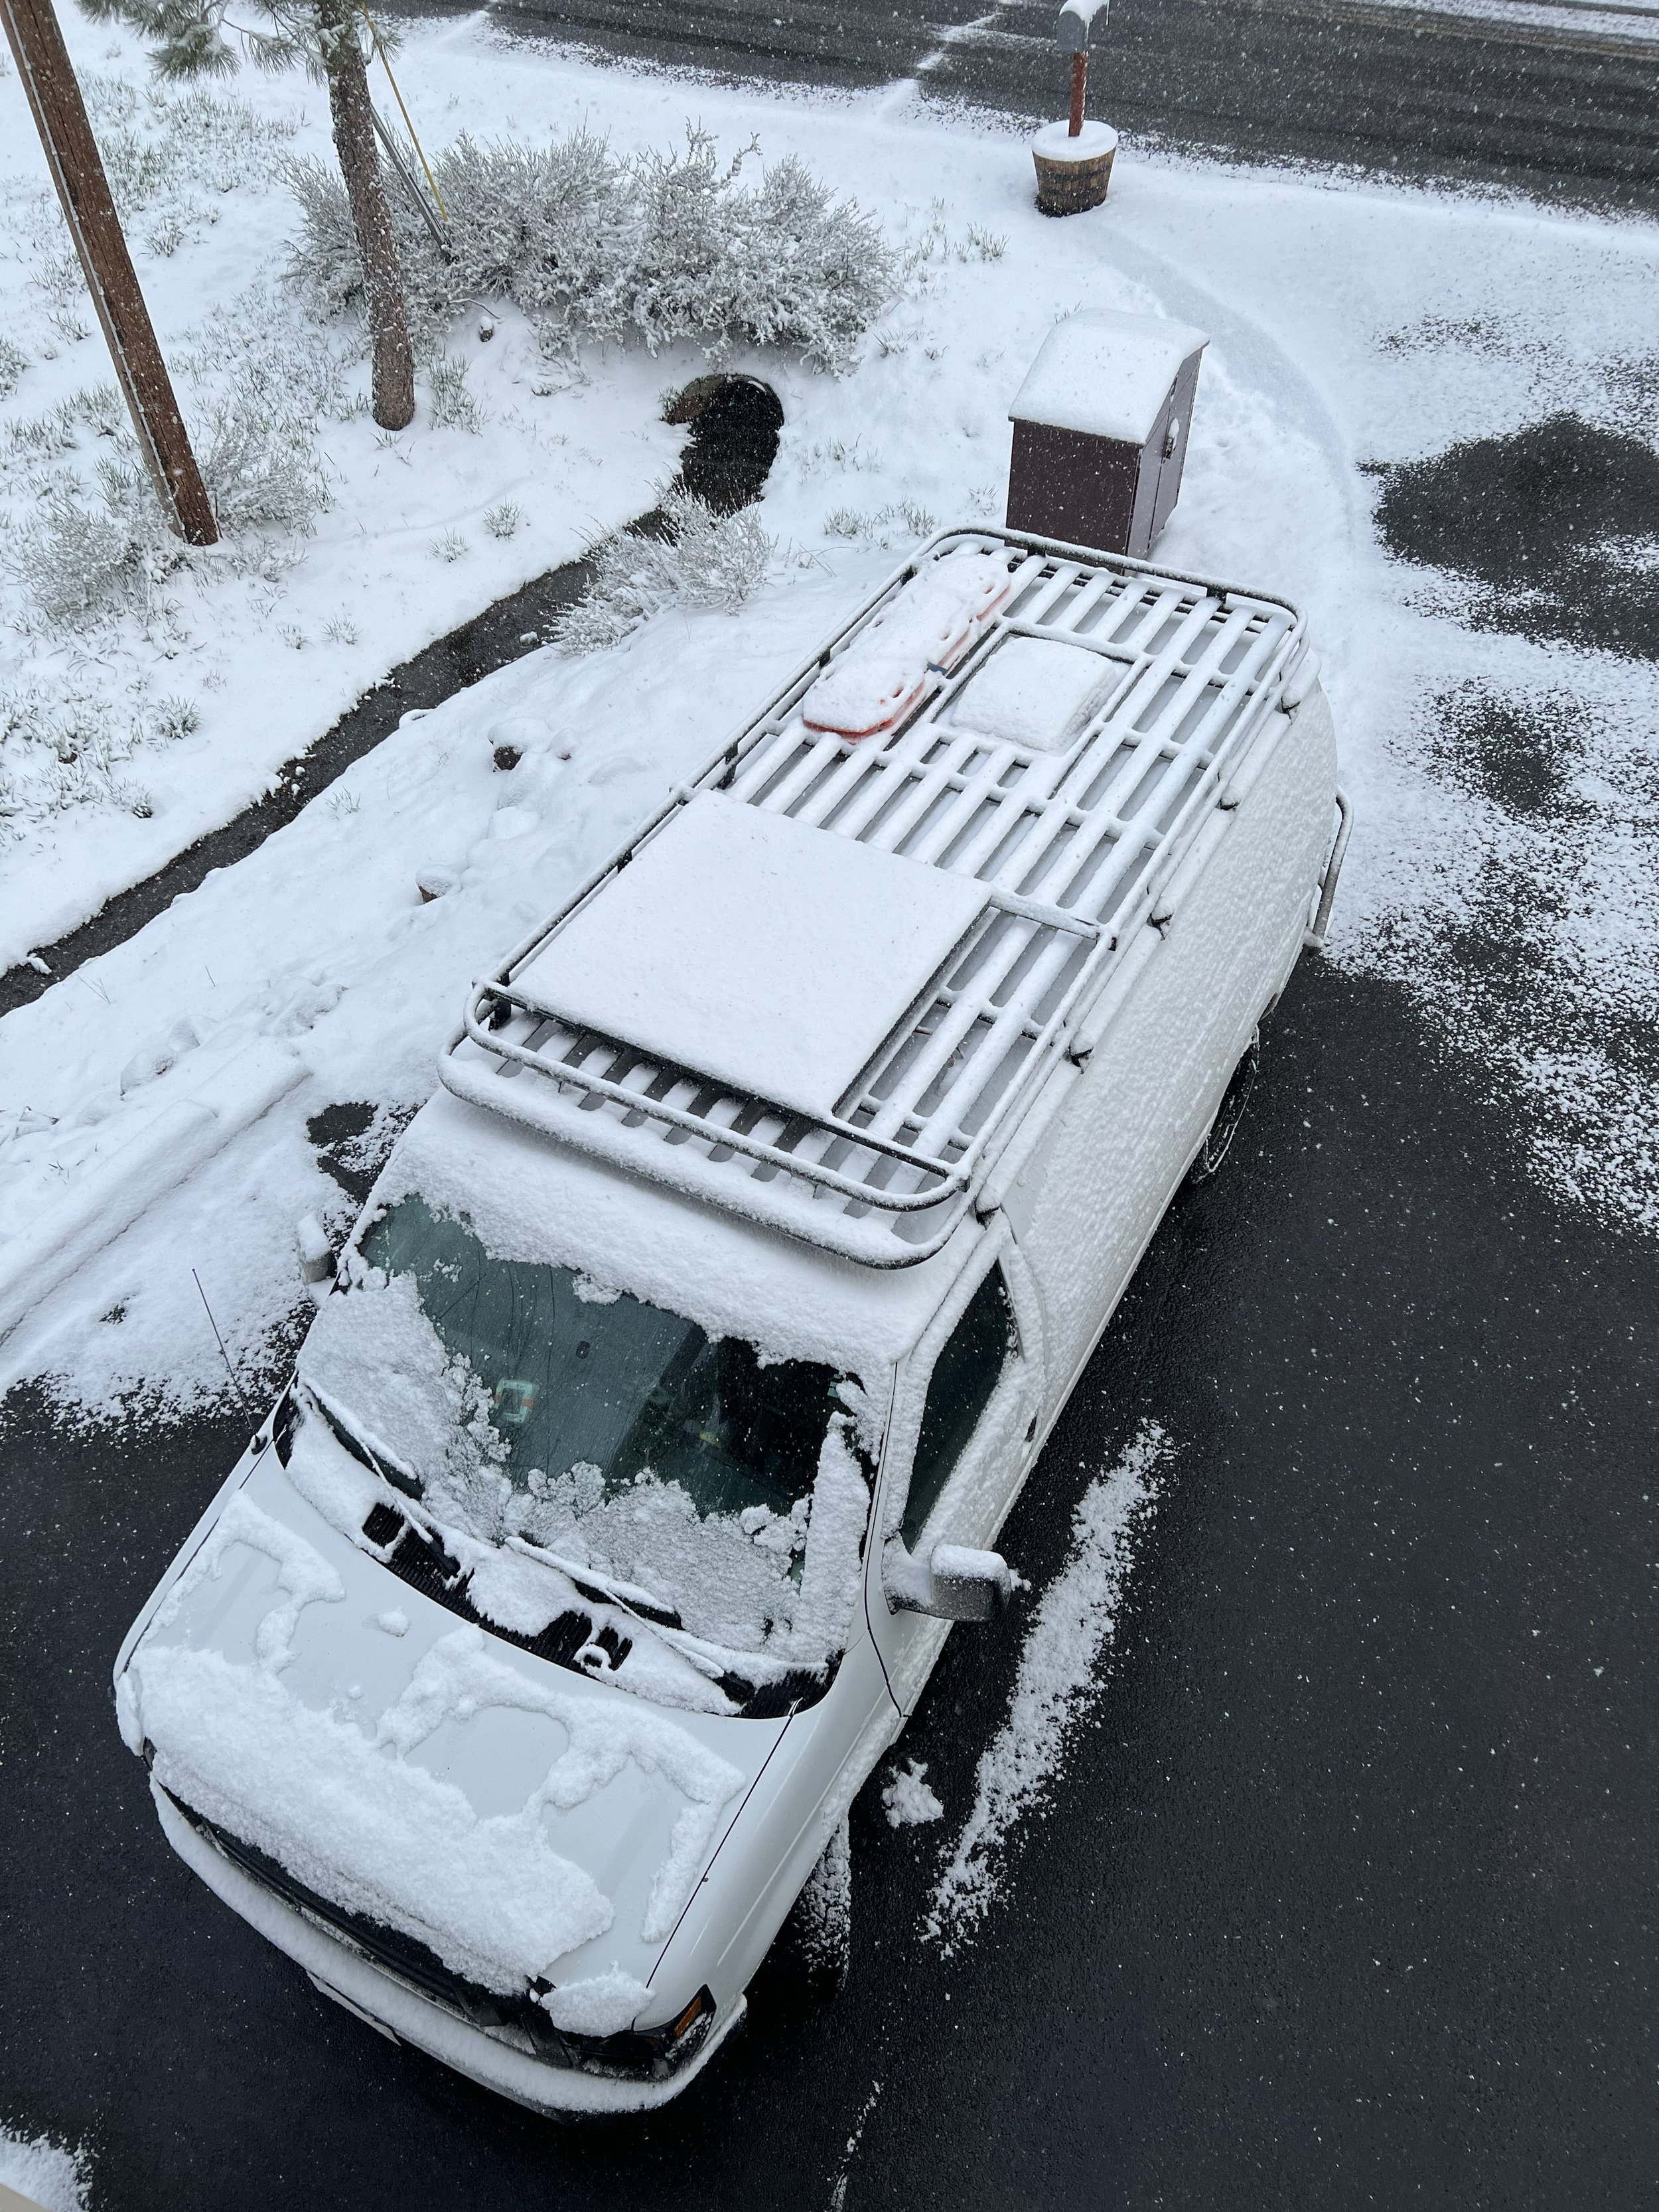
(1622, 21)
(1350, 323)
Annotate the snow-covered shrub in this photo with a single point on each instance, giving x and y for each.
(705, 560)
(160, 140)
(452, 405)
(904, 524)
(102, 409)
(62, 286)
(504, 520)
(261, 468)
(42, 437)
(93, 547)
(13, 361)
(175, 718)
(325, 266)
(57, 753)
(981, 245)
(592, 244)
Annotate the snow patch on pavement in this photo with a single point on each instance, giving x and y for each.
(907, 1800)
(1060, 1676)
(43, 2171)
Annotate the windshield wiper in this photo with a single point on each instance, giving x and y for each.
(601, 1587)
(364, 1448)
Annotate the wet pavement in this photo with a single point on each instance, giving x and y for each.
(1546, 517)
(1552, 106)
(1345, 1896)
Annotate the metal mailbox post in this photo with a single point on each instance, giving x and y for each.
(1074, 159)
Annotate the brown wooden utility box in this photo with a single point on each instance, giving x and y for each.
(1100, 431)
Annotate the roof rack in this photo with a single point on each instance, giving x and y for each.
(1071, 845)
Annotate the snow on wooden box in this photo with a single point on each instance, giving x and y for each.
(1100, 431)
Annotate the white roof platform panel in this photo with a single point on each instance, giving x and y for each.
(753, 947)
(825, 986)
(1037, 692)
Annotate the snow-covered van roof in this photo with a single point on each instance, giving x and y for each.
(824, 985)
(1106, 374)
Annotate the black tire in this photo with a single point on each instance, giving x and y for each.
(814, 1946)
(1218, 1137)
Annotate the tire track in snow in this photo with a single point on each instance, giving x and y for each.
(1058, 1680)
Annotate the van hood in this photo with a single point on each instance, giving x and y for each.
(528, 1825)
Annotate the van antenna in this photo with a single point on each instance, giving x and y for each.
(218, 1340)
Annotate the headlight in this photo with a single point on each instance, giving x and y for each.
(649, 2054)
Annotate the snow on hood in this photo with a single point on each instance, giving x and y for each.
(519, 1819)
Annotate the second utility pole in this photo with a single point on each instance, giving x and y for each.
(78, 170)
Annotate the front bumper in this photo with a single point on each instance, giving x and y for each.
(390, 2004)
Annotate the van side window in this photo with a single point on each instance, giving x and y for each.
(964, 1375)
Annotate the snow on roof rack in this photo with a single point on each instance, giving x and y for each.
(911, 1021)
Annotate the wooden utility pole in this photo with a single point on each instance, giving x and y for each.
(78, 170)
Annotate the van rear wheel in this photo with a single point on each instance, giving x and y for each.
(1219, 1138)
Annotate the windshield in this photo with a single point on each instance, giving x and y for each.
(526, 1401)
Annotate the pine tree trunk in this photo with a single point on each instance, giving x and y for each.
(360, 165)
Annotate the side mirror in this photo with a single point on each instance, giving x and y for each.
(955, 1582)
(968, 1585)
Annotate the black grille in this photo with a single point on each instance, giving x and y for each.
(410, 1960)
(651, 2055)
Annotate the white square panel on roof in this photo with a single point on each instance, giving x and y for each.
(741, 945)
(1037, 692)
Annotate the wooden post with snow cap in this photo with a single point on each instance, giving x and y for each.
(53, 93)
(1074, 161)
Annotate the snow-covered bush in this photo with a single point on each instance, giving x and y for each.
(705, 560)
(452, 405)
(261, 469)
(905, 523)
(91, 547)
(592, 244)
(13, 361)
(59, 752)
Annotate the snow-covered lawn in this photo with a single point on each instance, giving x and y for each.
(123, 739)
(1351, 324)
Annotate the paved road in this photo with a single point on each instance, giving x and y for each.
(1555, 107)
(1346, 1899)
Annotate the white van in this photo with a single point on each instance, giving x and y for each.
(700, 1331)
